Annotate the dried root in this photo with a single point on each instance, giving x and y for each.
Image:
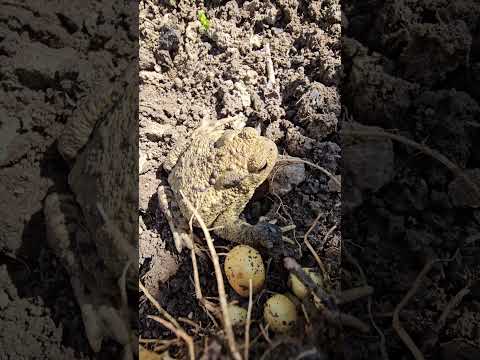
(402, 333)
(220, 285)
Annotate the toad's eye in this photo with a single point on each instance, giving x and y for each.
(264, 166)
(257, 165)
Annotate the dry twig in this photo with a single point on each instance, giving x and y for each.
(341, 319)
(160, 309)
(333, 316)
(264, 332)
(289, 160)
(422, 148)
(383, 342)
(292, 266)
(452, 304)
(220, 285)
(402, 333)
(207, 305)
(179, 333)
(247, 324)
(270, 71)
(350, 295)
(192, 323)
(310, 247)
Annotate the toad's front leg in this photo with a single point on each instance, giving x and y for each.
(176, 221)
(239, 231)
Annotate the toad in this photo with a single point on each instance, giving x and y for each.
(218, 172)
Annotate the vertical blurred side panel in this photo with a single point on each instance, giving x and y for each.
(411, 176)
(69, 180)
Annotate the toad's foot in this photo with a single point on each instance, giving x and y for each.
(178, 225)
(266, 235)
(100, 317)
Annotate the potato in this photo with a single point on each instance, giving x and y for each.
(297, 286)
(280, 313)
(241, 264)
(238, 315)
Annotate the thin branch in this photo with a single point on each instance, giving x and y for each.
(350, 295)
(310, 247)
(452, 304)
(332, 316)
(219, 277)
(179, 333)
(422, 148)
(270, 70)
(407, 340)
(160, 309)
(383, 342)
(247, 324)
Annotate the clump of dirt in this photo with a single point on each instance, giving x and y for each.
(409, 69)
(191, 72)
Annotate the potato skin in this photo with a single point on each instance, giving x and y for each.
(280, 313)
(241, 264)
(297, 286)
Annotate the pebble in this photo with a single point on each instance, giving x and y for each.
(243, 94)
(256, 41)
(3, 300)
(178, 83)
(286, 178)
(142, 159)
(462, 194)
(251, 77)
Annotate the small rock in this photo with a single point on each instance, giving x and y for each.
(221, 39)
(191, 32)
(284, 178)
(243, 94)
(256, 41)
(327, 154)
(333, 186)
(297, 143)
(3, 300)
(462, 193)
(142, 159)
(369, 164)
(210, 75)
(274, 131)
(251, 77)
(146, 59)
(178, 83)
(168, 40)
(155, 132)
(319, 108)
(271, 16)
(476, 216)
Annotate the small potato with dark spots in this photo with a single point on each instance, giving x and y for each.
(241, 264)
(280, 313)
(297, 286)
(238, 315)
